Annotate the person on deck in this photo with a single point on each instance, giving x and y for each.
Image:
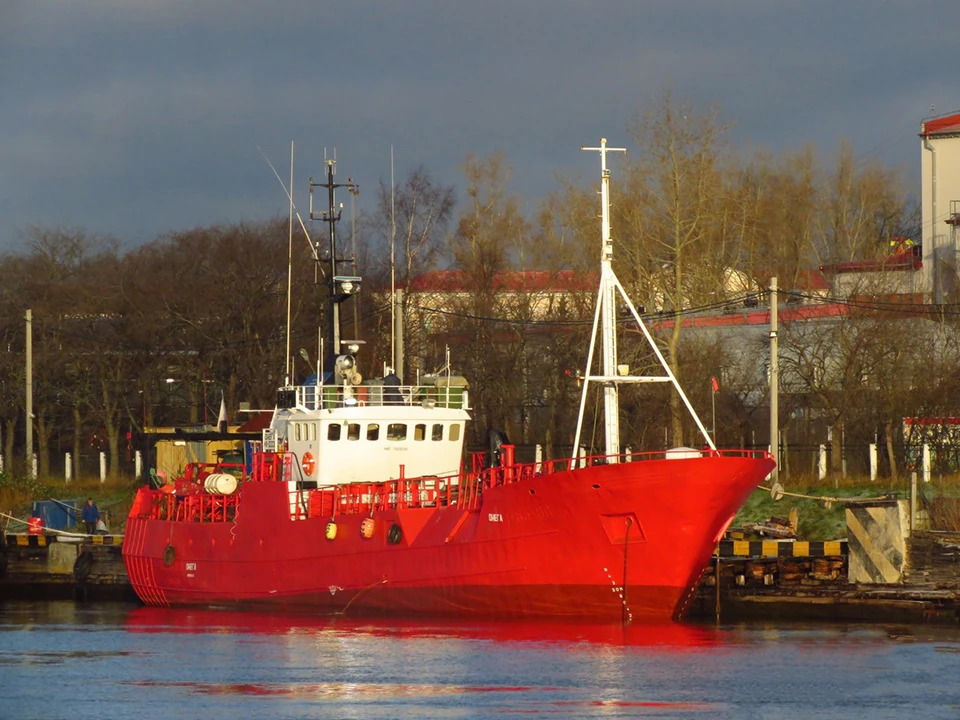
(90, 516)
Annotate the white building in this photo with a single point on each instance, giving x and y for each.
(940, 193)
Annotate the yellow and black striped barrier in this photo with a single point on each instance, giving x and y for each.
(21, 540)
(778, 548)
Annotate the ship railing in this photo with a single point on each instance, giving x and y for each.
(273, 467)
(325, 397)
(193, 507)
(510, 472)
(465, 490)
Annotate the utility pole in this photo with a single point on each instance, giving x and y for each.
(29, 450)
(774, 384)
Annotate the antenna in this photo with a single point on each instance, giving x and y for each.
(393, 272)
(289, 194)
(289, 268)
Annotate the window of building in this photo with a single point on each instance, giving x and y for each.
(397, 431)
(333, 431)
(437, 431)
(454, 432)
(353, 431)
(373, 431)
(419, 432)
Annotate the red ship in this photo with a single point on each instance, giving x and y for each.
(357, 501)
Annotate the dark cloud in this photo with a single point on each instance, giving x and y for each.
(137, 118)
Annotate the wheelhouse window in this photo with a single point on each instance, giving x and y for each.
(353, 431)
(454, 432)
(419, 432)
(296, 431)
(397, 431)
(313, 431)
(373, 431)
(437, 432)
(333, 431)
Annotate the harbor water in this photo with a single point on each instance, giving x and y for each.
(102, 661)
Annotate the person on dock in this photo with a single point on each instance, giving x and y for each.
(90, 516)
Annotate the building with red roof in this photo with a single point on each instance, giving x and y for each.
(940, 197)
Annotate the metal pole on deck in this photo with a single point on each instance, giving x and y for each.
(774, 384)
(29, 390)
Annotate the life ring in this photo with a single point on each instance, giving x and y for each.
(308, 463)
(394, 534)
(83, 565)
(169, 555)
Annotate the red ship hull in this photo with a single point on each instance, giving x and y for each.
(619, 541)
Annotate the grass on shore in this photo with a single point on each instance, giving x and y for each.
(816, 521)
(114, 497)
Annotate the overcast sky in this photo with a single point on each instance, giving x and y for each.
(139, 117)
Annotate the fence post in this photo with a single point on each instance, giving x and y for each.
(822, 462)
(67, 470)
(103, 467)
(926, 462)
(913, 500)
(138, 465)
(873, 462)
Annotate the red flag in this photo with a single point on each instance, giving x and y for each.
(716, 385)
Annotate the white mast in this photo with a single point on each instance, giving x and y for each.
(608, 313)
(606, 318)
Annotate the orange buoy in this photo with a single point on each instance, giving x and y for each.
(367, 527)
(308, 463)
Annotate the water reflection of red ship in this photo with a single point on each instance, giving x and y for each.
(667, 635)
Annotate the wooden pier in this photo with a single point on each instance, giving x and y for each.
(63, 567)
(769, 581)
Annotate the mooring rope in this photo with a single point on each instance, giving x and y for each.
(46, 529)
(821, 498)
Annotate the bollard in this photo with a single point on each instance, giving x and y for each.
(103, 467)
(67, 470)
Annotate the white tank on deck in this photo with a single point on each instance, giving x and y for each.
(682, 453)
(220, 484)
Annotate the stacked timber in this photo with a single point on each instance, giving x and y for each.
(933, 560)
